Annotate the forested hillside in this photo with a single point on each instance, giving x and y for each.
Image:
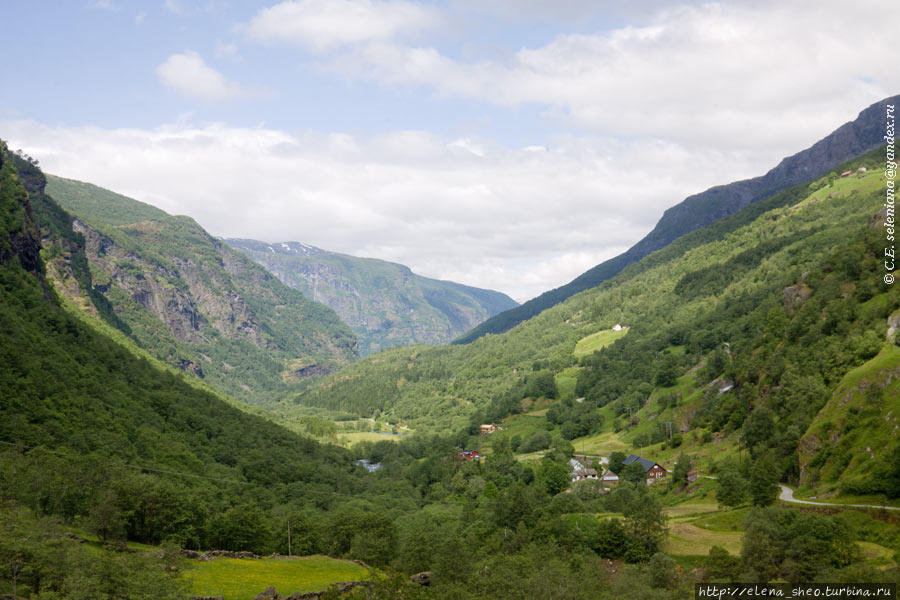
(91, 435)
(777, 304)
(184, 296)
(699, 210)
(384, 303)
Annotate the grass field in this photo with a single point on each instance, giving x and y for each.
(601, 444)
(242, 579)
(876, 555)
(566, 380)
(597, 341)
(688, 510)
(687, 538)
(353, 437)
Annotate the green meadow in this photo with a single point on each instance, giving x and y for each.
(242, 579)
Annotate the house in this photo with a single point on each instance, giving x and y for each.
(618, 327)
(486, 429)
(584, 474)
(470, 454)
(654, 471)
(580, 472)
(846, 173)
(692, 476)
(609, 478)
(368, 465)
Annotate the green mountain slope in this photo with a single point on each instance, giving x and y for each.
(80, 414)
(187, 297)
(699, 210)
(772, 307)
(384, 303)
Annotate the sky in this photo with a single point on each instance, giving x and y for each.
(510, 144)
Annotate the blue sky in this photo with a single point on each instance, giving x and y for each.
(509, 144)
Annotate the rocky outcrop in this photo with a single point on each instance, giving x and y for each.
(148, 283)
(23, 241)
(342, 587)
(795, 294)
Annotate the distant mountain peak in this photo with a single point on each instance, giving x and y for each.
(283, 248)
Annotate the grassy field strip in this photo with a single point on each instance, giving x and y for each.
(601, 444)
(688, 511)
(353, 437)
(878, 555)
(597, 341)
(242, 579)
(687, 538)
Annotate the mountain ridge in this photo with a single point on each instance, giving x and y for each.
(850, 139)
(385, 303)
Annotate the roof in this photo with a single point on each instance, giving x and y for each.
(647, 464)
(609, 475)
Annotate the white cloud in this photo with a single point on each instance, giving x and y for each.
(323, 25)
(736, 75)
(173, 6)
(105, 5)
(225, 49)
(511, 219)
(189, 75)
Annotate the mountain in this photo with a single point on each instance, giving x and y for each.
(79, 412)
(187, 297)
(384, 303)
(850, 139)
(757, 327)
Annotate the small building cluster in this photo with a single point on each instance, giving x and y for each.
(580, 472)
(488, 428)
(470, 455)
(654, 471)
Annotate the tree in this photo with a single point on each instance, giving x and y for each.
(661, 571)
(555, 476)
(763, 481)
(635, 473)
(667, 376)
(242, 527)
(680, 472)
(722, 566)
(616, 460)
(644, 526)
(731, 488)
(759, 428)
(105, 519)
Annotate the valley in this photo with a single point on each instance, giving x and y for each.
(164, 396)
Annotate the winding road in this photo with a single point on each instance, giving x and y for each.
(787, 495)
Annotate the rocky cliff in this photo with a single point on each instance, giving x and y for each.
(193, 301)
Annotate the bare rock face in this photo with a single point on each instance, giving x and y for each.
(188, 298)
(794, 294)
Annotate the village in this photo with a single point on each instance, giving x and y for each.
(595, 468)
